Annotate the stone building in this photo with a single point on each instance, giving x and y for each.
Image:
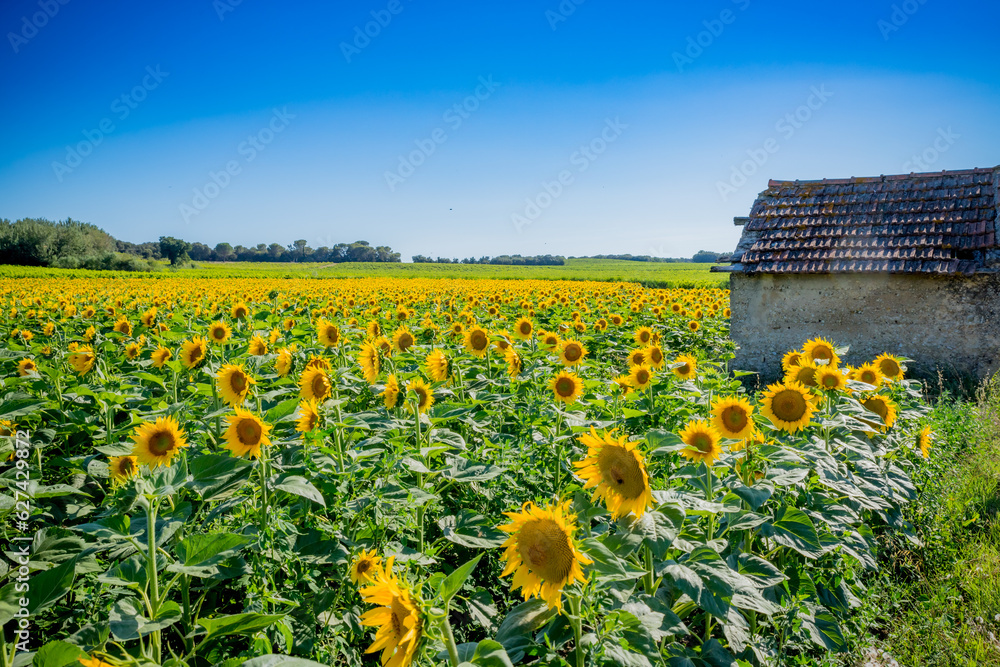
(904, 264)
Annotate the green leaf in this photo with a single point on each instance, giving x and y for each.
(791, 527)
(660, 527)
(237, 624)
(57, 654)
(280, 661)
(217, 476)
(490, 653)
(128, 621)
(521, 622)
(19, 407)
(46, 588)
(300, 486)
(472, 530)
(610, 566)
(464, 471)
(454, 581)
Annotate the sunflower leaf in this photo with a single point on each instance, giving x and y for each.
(454, 581)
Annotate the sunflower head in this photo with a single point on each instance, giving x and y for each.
(804, 373)
(390, 394)
(640, 377)
(869, 374)
(884, 407)
(123, 468)
(365, 567)
(328, 333)
(566, 387)
(308, 416)
(685, 367)
(26, 367)
(549, 340)
(477, 341)
(234, 383)
(820, 351)
(370, 362)
(733, 417)
(792, 358)
(616, 470)
(219, 332)
(403, 339)
(643, 336)
(283, 362)
(82, 361)
(156, 443)
(890, 366)
(193, 352)
(572, 352)
(257, 347)
(424, 397)
(514, 363)
(397, 616)
(830, 378)
(161, 356)
(246, 434)
(924, 441)
(523, 328)
(702, 440)
(240, 311)
(789, 406)
(654, 356)
(315, 384)
(622, 384)
(694, 325)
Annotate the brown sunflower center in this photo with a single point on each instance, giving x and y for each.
(806, 376)
(642, 376)
(573, 352)
(249, 431)
(822, 353)
(789, 405)
(238, 382)
(478, 340)
(320, 385)
(702, 442)
(565, 387)
(889, 367)
(830, 381)
(546, 549)
(218, 333)
(685, 369)
(405, 341)
(621, 471)
(877, 406)
(735, 418)
(525, 328)
(868, 377)
(160, 443)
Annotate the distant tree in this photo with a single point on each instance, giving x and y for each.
(298, 250)
(275, 251)
(175, 250)
(705, 257)
(200, 252)
(223, 251)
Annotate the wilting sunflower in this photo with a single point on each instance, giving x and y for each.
(869, 374)
(365, 567)
(26, 367)
(246, 434)
(890, 366)
(789, 406)
(308, 416)
(219, 332)
(572, 352)
(437, 366)
(123, 468)
(514, 363)
(258, 346)
(687, 368)
(541, 551)
(370, 362)
(804, 373)
(566, 387)
(283, 362)
(477, 341)
(234, 384)
(820, 351)
(643, 335)
(523, 328)
(618, 471)
(654, 356)
(640, 377)
(791, 358)
(397, 617)
(160, 356)
(390, 394)
(733, 417)
(193, 351)
(702, 440)
(425, 397)
(885, 408)
(830, 378)
(156, 443)
(402, 339)
(82, 361)
(328, 333)
(315, 384)
(924, 441)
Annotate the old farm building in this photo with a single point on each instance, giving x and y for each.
(902, 264)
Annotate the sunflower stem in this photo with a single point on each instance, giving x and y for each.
(650, 578)
(449, 640)
(577, 622)
(557, 447)
(154, 583)
(709, 495)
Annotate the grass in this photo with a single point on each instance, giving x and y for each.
(938, 605)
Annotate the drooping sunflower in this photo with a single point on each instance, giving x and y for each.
(622, 384)
(246, 434)
(219, 332)
(328, 333)
(654, 356)
(308, 416)
(733, 417)
(830, 378)
(685, 367)
(789, 406)
(315, 384)
(437, 365)
(233, 383)
(572, 352)
(365, 567)
(283, 362)
(617, 469)
(193, 352)
(425, 397)
(397, 617)
(477, 341)
(566, 387)
(26, 367)
(820, 351)
(258, 346)
(924, 441)
(156, 443)
(514, 363)
(869, 374)
(82, 361)
(541, 551)
(702, 440)
(890, 366)
(643, 335)
(160, 356)
(123, 468)
(640, 377)
(523, 328)
(370, 362)
(390, 394)
(804, 373)
(791, 358)
(89, 334)
(885, 408)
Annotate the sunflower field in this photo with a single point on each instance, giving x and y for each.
(419, 471)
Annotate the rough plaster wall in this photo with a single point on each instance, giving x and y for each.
(946, 323)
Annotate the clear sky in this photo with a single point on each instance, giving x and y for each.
(477, 128)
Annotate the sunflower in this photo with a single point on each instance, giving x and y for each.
(685, 367)
(283, 362)
(885, 408)
(156, 443)
(318, 362)
(239, 311)
(804, 373)
(374, 329)
(132, 351)
(549, 340)
(390, 395)
(572, 352)
(477, 341)
(370, 362)
(315, 384)
(654, 356)
(89, 334)
(637, 357)
(791, 359)
(308, 416)
(288, 324)
(219, 332)
(193, 351)
(160, 356)
(148, 318)
(234, 383)
(365, 567)
(890, 366)
(789, 406)
(258, 346)
(26, 367)
(733, 417)
(622, 384)
(328, 333)
(88, 661)
(523, 328)
(26, 335)
(514, 363)
(397, 618)
(272, 337)
(869, 374)
(82, 361)
(541, 552)
(830, 378)
(819, 350)
(383, 345)
(246, 434)
(437, 366)
(618, 471)
(640, 377)
(643, 335)
(694, 325)
(123, 468)
(123, 326)
(924, 440)
(566, 387)
(425, 398)
(702, 440)
(402, 339)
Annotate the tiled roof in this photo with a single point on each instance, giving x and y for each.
(942, 222)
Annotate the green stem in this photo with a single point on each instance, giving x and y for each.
(709, 496)
(153, 577)
(449, 640)
(186, 600)
(577, 622)
(649, 582)
(557, 447)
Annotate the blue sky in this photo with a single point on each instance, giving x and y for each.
(458, 129)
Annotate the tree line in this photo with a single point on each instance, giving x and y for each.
(508, 260)
(297, 251)
(702, 256)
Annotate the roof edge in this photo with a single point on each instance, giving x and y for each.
(887, 177)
